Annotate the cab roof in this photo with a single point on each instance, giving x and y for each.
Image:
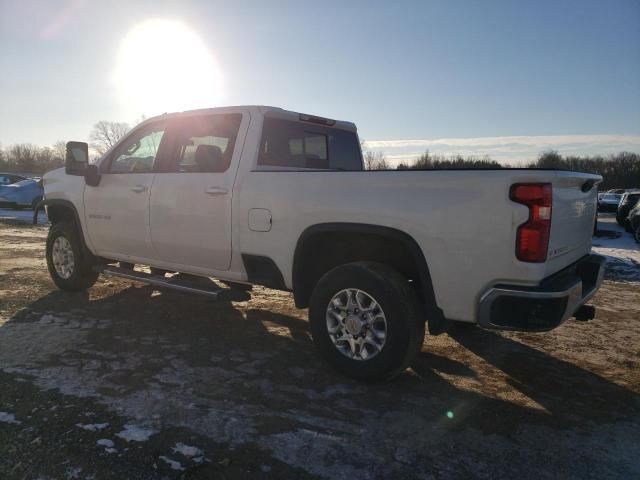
(264, 110)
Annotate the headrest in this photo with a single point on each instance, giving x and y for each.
(209, 159)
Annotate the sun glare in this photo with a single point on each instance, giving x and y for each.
(163, 66)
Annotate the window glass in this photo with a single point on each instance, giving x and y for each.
(138, 153)
(300, 145)
(205, 144)
(315, 146)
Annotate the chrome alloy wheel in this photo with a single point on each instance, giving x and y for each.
(356, 324)
(62, 256)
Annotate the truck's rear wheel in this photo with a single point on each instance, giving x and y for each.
(68, 264)
(366, 320)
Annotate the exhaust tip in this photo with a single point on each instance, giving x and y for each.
(585, 313)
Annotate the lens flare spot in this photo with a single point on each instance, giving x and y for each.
(164, 66)
(450, 415)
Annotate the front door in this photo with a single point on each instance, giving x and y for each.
(117, 210)
(191, 196)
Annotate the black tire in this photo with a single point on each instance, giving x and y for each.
(82, 276)
(401, 307)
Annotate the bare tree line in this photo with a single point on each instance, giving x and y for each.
(106, 134)
(29, 158)
(621, 170)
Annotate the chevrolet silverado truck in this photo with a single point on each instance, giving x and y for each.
(261, 195)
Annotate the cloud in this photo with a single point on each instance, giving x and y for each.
(514, 150)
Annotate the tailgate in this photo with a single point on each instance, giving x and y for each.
(575, 200)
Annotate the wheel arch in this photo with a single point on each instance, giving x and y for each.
(362, 242)
(59, 210)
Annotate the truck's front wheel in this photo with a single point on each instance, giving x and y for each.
(366, 320)
(68, 265)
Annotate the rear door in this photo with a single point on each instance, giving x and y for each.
(190, 203)
(117, 210)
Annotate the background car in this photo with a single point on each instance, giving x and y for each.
(609, 202)
(634, 222)
(9, 178)
(627, 202)
(25, 193)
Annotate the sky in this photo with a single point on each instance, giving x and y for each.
(505, 78)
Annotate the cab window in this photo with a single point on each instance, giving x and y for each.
(205, 143)
(138, 153)
(296, 145)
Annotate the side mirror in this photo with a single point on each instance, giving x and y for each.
(77, 158)
(92, 175)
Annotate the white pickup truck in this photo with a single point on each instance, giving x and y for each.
(261, 195)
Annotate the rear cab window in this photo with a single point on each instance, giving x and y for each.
(291, 145)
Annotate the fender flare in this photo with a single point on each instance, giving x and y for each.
(435, 317)
(70, 206)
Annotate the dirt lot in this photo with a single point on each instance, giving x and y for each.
(130, 382)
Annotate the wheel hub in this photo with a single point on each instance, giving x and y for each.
(356, 324)
(353, 324)
(62, 256)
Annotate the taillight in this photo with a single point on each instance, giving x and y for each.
(532, 237)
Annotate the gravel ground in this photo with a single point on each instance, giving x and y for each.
(126, 381)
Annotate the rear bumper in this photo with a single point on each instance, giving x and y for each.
(608, 207)
(542, 308)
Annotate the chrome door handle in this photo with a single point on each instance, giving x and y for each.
(216, 191)
(139, 188)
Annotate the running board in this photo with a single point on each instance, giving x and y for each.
(157, 280)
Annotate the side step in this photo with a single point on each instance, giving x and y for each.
(179, 284)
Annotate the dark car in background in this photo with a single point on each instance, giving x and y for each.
(627, 202)
(609, 202)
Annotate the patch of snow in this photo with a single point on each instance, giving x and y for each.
(134, 433)
(92, 427)
(172, 463)
(187, 450)
(622, 252)
(110, 450)
(9, 418)
(105, 442)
